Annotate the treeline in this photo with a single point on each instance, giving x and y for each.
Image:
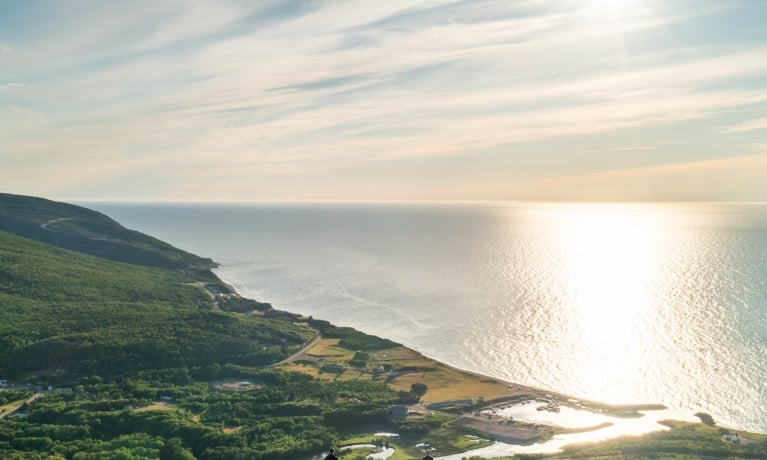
(9, 396)
(350, 338)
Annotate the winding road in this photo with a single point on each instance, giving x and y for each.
(20, 404)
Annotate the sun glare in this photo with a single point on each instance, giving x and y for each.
(610, 265)
(614, 15)
(612, 256)
(608, 7)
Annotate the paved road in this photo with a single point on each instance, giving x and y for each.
(53, 221)
(29, 400)
(295, 355)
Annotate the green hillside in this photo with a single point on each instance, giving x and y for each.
(117, 341)
(62, 309)
(87, 231)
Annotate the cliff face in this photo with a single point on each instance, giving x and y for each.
(84, 230)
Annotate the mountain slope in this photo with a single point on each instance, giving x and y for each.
(63, 309)
(84, 230)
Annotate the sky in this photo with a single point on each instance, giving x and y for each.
(187, 100)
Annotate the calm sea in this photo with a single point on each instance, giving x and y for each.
(618, 303)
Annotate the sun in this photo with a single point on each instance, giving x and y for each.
(609, 9)
(606, 5)
(610, 17)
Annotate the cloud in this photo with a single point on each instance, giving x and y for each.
(739, 178)
(751, 125)
(12, 85)
(306, 89)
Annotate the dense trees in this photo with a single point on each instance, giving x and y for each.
(292, 416)
(60, 309)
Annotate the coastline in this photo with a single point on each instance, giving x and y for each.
(523, 435)
(524, 418)
(519, 390)
(334, 285)
(530, 437)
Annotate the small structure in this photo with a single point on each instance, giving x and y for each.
(451, 403)
(398, 410)
(733, 438)
(333, 368)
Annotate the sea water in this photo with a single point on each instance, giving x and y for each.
(634, 303)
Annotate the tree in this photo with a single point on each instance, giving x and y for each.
(174, 450)
(418, 389)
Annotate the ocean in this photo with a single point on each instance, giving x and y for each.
(621, 303)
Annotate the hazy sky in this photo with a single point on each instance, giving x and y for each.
(384, 100)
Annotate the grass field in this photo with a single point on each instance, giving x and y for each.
(156, 407)
(443, 382)
(329, 349)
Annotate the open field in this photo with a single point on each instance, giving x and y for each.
(329, 349)
(410, 367)
(158, 406)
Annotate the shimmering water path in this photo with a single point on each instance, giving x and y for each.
(617, 303)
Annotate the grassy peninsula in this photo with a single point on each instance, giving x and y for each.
(116, 345)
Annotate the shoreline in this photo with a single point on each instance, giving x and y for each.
(563, 399)
(520, 391)
(543, 437)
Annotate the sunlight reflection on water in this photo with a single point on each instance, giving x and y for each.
(616, 303)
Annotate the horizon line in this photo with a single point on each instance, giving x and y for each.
(444, 202)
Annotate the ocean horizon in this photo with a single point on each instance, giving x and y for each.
(620, 303)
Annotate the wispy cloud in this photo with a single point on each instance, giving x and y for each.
(311, 89)
(751, 125)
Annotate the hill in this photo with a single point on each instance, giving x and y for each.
(90, 232)
(63, 309)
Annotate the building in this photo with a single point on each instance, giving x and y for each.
(398, 410)
(451, 403)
